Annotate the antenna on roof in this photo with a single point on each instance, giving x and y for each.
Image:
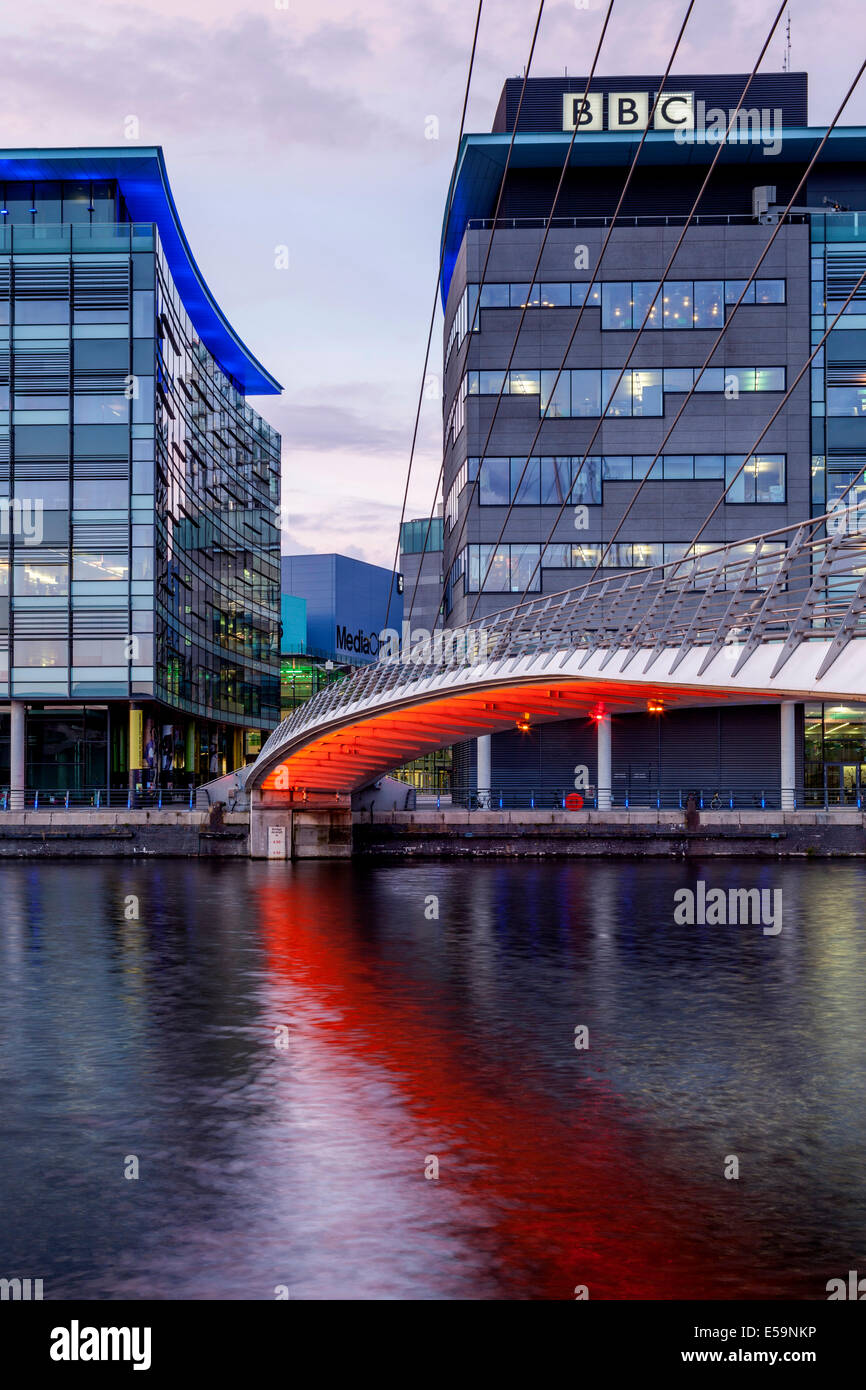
(786, 61)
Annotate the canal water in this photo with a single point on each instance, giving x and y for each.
(288, 1054)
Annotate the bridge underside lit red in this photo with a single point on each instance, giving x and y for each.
(352, 754)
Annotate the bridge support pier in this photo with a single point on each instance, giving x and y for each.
(788, 754)
(484, 775)
(603, 772)
(17, 754)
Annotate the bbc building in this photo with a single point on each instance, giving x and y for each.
(813, 451)
(139, 493)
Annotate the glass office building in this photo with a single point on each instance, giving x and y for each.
(533, 418)
(139, 612)
(421, 566)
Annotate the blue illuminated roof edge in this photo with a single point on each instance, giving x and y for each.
(143, 180)
(481, 159)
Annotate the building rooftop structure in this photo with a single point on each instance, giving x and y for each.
(142, 178)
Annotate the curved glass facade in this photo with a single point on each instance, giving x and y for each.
(139, 493)
(215, 497)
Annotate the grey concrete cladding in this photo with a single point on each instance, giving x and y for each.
(769, 335)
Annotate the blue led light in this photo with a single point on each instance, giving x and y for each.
(143, 182)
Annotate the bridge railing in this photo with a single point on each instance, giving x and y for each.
(786, 587)
(95, 798)
(638, 796)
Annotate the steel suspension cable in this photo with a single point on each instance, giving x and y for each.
(721, 145)
(718, 340)
(472, 325)
(432, 318)
(784, 401)
(548, 223)
(476, 484)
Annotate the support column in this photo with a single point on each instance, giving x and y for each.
(17, 754)
(190, 758)
(134, 755)
(789, 757)
(483, 778)
(603, 775)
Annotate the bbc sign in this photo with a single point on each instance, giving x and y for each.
(627, 111)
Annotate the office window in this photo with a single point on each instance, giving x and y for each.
(100, 566)
(616, 394)
(105, 495)
(507, 568)
(769, 378)
(770, 478)
(616, 304)
(646, 553)
(523, 560)
(524, 383)
(761, 480)
(494, 296)
(103, 651)
(846, 400)
(556, 296)
(616, 469)
(712, 381)
(769, 291)
(584, 556)
(677, 301)
(617, 398)
(494, 486)
(586, 393)
(709, 309)
(645, 467)
(582, 294)
(586, 481)
(490, 383)
(646, 392)
(679, 378)
(51, 494)
(100, 410)
(555, 480)
(34, 579)
(647, 296)
(41, 652)
(525, 493)
(709, 466)
(557, 556)
(557, 405)
(678, 466)
(41, 311)
(734, 288)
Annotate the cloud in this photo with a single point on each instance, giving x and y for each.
(247, 82)
(362, 529)
(333, 427)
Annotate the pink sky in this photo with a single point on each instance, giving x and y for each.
(303, 126)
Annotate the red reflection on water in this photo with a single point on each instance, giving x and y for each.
(564, 1199)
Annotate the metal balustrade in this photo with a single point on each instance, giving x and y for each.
(786, 588)
(641, 796)
(94, 798)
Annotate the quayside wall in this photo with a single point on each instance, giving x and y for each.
(337, 832)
